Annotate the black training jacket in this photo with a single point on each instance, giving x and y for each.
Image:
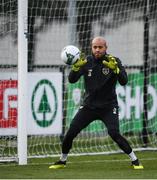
(100, 82)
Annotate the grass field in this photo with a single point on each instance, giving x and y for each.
(114, 166)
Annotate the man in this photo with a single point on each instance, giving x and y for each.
(101, 72)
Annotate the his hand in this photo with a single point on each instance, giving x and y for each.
(112, 64)
(79, 63)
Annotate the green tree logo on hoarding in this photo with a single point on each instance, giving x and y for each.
(44, 103)
(44, 106)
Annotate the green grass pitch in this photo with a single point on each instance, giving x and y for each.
(114, 166)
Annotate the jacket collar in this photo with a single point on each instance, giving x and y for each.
(99, 60)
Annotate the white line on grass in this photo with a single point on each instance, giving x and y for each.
(80, 162)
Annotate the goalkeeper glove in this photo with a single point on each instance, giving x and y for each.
(112, 64)
(79, 63)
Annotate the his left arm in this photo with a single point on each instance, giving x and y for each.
(117, 67)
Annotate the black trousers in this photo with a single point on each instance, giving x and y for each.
(86, 115)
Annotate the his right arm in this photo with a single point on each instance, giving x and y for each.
(74, 76)
(76, 70)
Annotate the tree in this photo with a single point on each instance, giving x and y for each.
(44, 106)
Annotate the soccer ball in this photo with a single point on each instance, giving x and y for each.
(70, 54)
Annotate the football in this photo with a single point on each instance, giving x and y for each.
(70, 54)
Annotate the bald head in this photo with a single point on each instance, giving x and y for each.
(99, 39)
(99, 47)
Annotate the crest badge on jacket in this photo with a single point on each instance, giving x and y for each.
(105, 71)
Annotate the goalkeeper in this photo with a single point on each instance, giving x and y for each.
(101, 72)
